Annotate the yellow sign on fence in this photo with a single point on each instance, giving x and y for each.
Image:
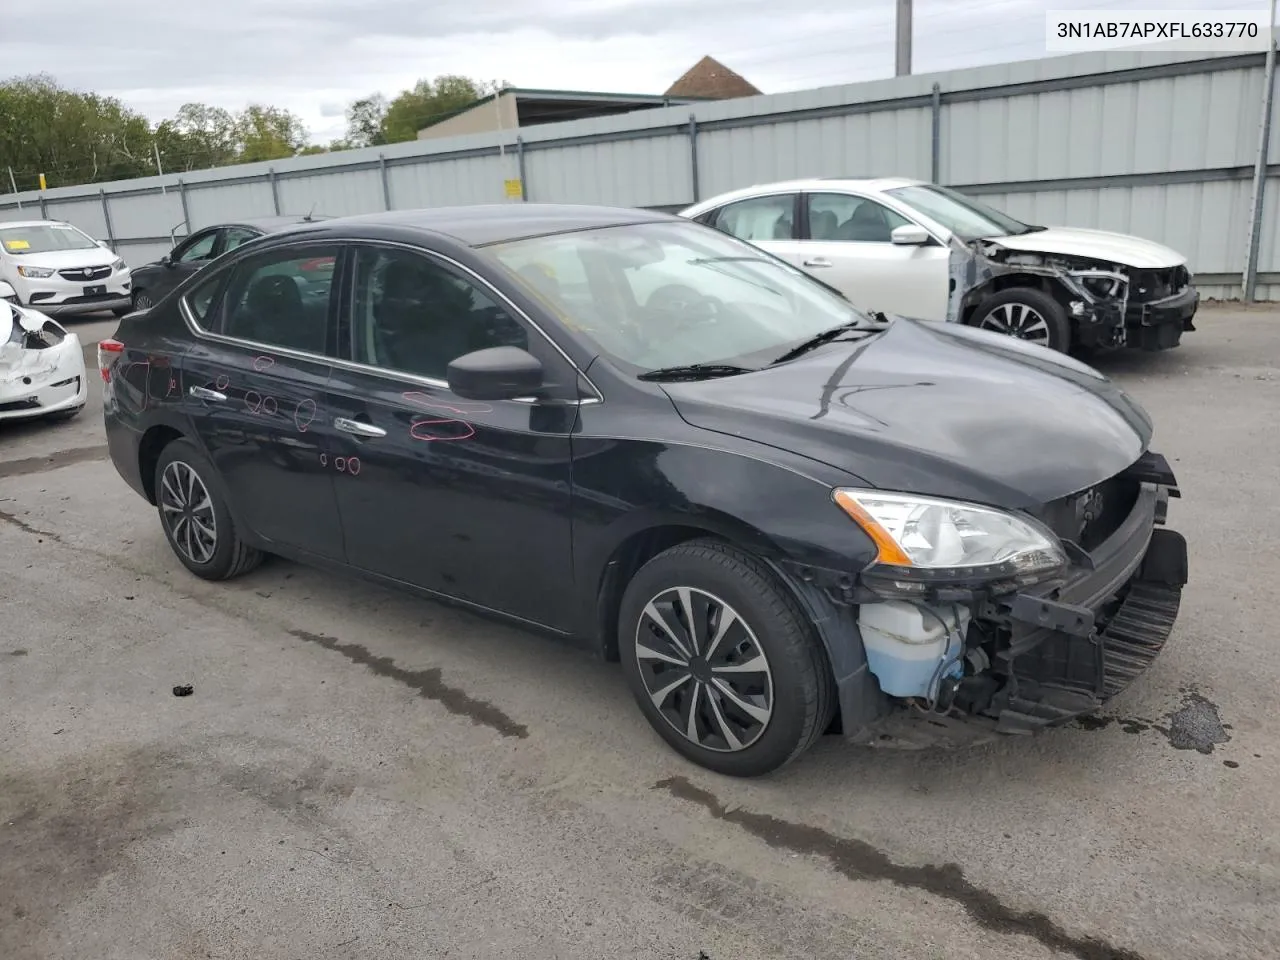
(514, 189)
(42, 186)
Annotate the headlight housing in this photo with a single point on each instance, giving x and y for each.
(118, 264)
(927, 541)
(35, 273)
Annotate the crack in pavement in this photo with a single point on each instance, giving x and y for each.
(63, 458)
(28, 528)
(858, 860)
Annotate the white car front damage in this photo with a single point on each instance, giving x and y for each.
(42, 369)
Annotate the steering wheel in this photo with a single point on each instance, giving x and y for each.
(682, 301)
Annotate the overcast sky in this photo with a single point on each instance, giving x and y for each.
(314, 56)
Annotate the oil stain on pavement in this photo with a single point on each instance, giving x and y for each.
(428, 684)
(1196, 725)
(858, 860)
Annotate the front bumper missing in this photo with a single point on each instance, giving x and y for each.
(1073, 644)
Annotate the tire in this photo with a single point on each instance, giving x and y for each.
(121, 312)
(795, 687)
(225, 555)
(1009, 311)
(141, 301)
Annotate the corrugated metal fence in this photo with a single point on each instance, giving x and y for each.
(1157, 144)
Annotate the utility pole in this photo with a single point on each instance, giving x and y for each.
(159, 169)
(1250, 278)
(902, 51)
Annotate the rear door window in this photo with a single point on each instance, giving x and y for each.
(283, 298)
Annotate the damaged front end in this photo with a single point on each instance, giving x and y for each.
(1110, 305)
(41, 366)
(976, 622)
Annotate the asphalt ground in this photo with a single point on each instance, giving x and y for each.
(363, 774)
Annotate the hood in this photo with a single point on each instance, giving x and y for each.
(934, 409)
(1095, 245)
(61, 259)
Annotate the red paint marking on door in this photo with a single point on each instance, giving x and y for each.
(353, 466)
(304, 414)
(441, 430)
(222, 382)
(262, 363)
(252, 401)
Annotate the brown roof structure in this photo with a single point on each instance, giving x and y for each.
(711, 80)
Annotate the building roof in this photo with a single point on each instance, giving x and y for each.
(548, 106)
(709, 79)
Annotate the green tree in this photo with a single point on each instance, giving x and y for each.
(268, 133)
(429, 100)
(197, 137)
(69, 136)
(365, 118)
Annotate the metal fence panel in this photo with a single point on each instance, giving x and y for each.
(333, 194)
(632, 173)
(442, 183)
(216, 204)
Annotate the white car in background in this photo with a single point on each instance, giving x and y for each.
(910, 248)
(42, 372)
(60, 270)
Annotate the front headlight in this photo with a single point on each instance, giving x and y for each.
(927, 540)
(118, 264)
(35, 273)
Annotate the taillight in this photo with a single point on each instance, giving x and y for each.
(108, 353)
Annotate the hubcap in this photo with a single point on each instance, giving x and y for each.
(704, 670)
(188, 512)
(142, 301)
(1017, 320)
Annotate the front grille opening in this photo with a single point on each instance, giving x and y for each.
(1147, 286)
(1089, 517)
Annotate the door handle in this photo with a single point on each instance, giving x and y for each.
(817, 262)
(204, 393)
(356, 428)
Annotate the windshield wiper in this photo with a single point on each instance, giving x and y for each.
(817, 340)
(695, 371)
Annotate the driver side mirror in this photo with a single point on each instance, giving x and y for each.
(495, 373)
(166, 260)
(909, 235)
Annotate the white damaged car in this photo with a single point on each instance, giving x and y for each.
(42, 372)
(915, 249)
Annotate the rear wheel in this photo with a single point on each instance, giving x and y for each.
(195, 518)
(722, 661)
(1027, 314)
(142, 300)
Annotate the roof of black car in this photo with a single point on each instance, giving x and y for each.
(277, 223)
(479, 224)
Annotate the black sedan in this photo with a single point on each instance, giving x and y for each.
(619, 426)
(152, 281)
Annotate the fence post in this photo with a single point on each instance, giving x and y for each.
(275, 190)
(106, 216)
(693, 155)
(182, 195)
(935, 158)
(44, 207)
(524, 185)
(1250, 279)
(386, 181)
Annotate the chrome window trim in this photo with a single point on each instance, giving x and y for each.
(188, 316)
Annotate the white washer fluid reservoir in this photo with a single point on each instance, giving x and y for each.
(906, 643)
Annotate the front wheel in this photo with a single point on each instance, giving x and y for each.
(722, 661)
(142, 300)
(195, 518)
(1027, 314)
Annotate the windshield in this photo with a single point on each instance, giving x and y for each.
(44, 238)
(963, 216)
(668, 294)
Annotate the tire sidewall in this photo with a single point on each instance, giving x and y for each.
(224, 554)
(1055, 316)
(782, 738)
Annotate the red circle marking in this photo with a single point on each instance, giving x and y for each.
(253, 401)
(353, 466)
(324, 459)
(261, 363)
(340, 463)
(270, 407)
(222, 382)
(441, 430)
(304, 415)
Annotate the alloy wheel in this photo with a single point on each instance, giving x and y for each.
(704, 669)
(1017, 320)
(188, 512)
(142, 301)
